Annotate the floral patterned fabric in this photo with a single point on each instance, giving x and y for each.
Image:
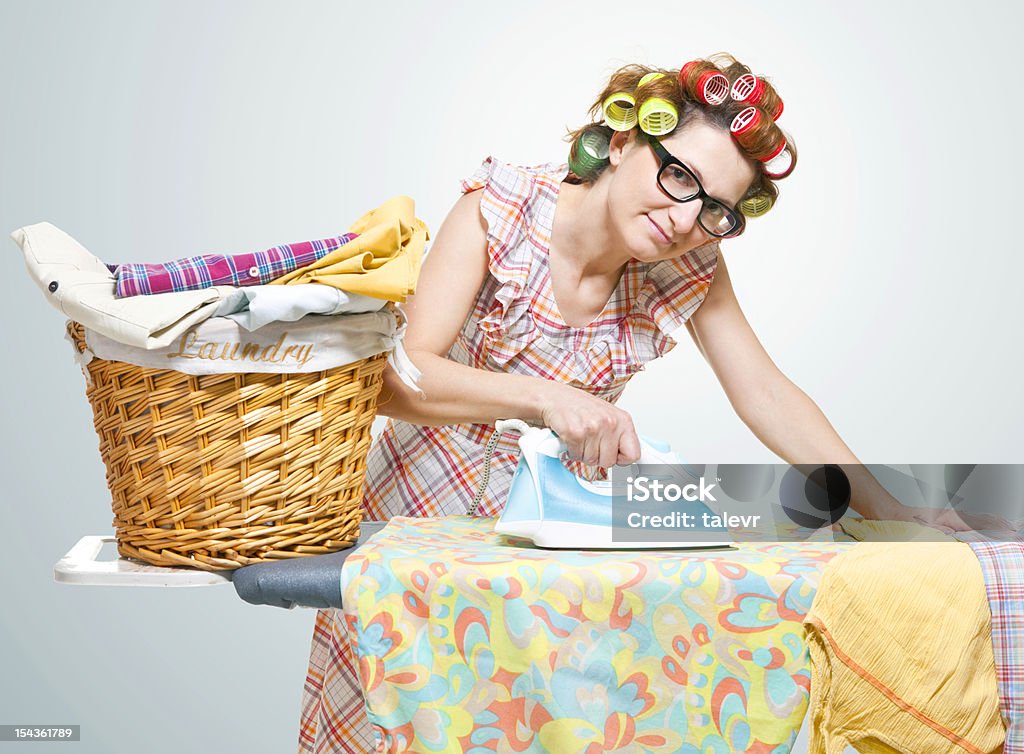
(468, 641)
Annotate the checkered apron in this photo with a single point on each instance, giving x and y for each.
(514, 327)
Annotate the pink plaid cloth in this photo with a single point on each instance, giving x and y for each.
(515, 327)
(193, 273)
(1002, 564)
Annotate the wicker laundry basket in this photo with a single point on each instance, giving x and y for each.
(224, 470)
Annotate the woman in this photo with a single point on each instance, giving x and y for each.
(547, 288)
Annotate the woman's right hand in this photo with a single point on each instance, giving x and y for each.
(594, 431)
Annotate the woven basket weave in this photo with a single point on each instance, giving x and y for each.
(223, 470)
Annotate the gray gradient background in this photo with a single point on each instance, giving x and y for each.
(154, 130)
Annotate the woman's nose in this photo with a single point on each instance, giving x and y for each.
(684, 216)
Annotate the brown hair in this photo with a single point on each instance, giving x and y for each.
(759, 142)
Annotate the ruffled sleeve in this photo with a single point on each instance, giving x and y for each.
(672, 291)
(508, 209)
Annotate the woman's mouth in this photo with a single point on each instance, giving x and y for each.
(659, 234)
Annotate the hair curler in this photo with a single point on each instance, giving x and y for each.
(712, 88)
(647, 77)
(753, 90)
(747, 87)
(745, 121)
(620, 111)
(756, 205)
(780, 164)
(591, 153)
(658, 116)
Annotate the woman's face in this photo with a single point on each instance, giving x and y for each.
(652, 225)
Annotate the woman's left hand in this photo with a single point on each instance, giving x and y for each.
(950, 520)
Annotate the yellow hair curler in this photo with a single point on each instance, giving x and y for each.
(756, 205)
(658, 116)
(649, 77)
(620, 111)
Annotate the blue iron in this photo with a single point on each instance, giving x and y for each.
(554, 508)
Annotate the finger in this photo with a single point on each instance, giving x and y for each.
(609, 450)
(995, 523)
(973, 522)
(573, 437)
(1004, 523)
(948, 523)
(591, 449)
(574, 449)
(934, 521)
(629, 446)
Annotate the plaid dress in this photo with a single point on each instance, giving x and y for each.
(514, 327)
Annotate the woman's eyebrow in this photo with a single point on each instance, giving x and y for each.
(696, 171)
(694, 168)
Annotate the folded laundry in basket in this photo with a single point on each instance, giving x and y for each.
(383, 262)
(208, 270)
(82, 287)
(260, 305)
(221, 345)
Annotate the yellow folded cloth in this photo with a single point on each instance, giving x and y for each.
(900, 645)
(383, 262)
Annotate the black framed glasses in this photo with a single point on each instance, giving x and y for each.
(679, 183)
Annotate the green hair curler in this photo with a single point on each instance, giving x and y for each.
(590, 153)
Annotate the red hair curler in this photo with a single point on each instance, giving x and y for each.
(774, 153)
(745, 121)
(712, 88)
(754, 91)
(780, 164)
(748, 87)
(685, 70)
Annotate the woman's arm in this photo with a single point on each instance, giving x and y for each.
(450, 280)
(779, 413)
(594, 430)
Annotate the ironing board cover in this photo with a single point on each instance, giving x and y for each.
(467, 641)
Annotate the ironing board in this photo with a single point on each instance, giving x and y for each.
(312, 581)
